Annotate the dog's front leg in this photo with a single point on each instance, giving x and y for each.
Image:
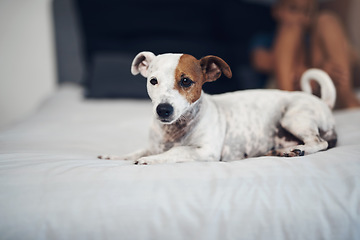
(132, 156)
(179, 154)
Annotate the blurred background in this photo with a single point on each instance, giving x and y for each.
(44, 43)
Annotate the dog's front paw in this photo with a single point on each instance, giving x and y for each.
(130, 157)
(149, 160)
(110, 157)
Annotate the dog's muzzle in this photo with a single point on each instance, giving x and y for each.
(164, 111)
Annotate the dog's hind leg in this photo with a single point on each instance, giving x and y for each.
(306, 130)
(311, 145)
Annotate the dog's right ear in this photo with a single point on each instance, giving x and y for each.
(213, 66)
(141, 63)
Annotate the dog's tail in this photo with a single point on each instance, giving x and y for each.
(328, 92)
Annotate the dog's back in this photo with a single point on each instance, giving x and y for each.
(253, 118)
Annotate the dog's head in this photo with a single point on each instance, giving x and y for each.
(174, 81)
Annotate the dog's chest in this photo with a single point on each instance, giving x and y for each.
(173, 134)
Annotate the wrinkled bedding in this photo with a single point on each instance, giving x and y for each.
(52, 186)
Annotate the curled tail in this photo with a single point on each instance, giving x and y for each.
(328, 92)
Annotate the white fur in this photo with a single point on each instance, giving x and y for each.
(234, 125)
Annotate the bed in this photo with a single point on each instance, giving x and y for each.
(52, 186)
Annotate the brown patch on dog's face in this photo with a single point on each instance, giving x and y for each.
(191, 74)
(189, 78)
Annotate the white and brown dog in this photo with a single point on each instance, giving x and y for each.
(190, 125)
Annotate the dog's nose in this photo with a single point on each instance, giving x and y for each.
(164, 110)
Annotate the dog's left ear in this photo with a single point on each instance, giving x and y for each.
(141, 63)
(213, 66)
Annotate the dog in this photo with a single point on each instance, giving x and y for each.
(190, 125)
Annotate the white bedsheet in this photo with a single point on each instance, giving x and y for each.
(52, 186)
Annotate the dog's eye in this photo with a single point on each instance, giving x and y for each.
(186, 82)
(154, 81)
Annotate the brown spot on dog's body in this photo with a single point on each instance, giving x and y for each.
(173, 133)
(330, 137)
(284, 138)
(206, 69)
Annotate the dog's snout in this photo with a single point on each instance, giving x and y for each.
(164, 110)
